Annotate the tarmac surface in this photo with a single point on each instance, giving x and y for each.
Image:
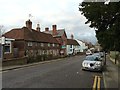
(110, 74)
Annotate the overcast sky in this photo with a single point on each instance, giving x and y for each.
(63, 13)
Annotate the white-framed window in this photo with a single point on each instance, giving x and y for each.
(48, 44)
(7, 48)
(30, 44)
(53, 45)
(42, 44)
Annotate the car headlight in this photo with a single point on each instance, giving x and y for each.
(98, 64)
(85, 64)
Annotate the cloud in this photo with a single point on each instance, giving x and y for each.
(64, 13)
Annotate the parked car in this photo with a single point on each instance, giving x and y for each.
(98, 55)
(88, 52)
(92, 63)
(101, 54)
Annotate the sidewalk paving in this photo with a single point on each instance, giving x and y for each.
(111, 74)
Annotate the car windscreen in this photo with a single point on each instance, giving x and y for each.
(88, 52)
(90, 58)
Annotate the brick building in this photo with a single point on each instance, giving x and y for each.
(32, 43)
(60, 36)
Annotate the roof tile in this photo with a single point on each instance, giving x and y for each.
(30, 35)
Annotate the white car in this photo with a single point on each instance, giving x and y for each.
(97, 55)
(88, 53)
(92, 63)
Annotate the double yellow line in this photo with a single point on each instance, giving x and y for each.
(96, 84)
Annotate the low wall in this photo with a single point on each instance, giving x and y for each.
(40, 58)
(26, 60)
(14, 61)
(8, 55)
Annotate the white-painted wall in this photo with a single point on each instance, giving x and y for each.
(72, 49)
(82, 46)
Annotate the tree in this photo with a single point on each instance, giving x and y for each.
(105, 18)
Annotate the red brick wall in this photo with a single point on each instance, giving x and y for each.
(21, 47)
(64, 38)
(8, 55)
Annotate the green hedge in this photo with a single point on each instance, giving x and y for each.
(114, 54)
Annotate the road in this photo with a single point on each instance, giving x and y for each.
(65, 73)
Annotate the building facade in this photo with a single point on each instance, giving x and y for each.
(72, 46)
(7, 48)
(60, 36)
(82, 45)
(32, 43)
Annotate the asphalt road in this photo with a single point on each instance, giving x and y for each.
(65, 73)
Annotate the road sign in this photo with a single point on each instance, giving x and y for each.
(63, 46)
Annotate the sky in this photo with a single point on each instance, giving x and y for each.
(64, 13)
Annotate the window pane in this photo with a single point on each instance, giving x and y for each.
(7, 49)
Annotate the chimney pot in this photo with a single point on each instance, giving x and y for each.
(29, 24)
(54, 29)
(46, 29)
(72, 36)
(38, 27)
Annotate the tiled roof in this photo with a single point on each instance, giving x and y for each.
(15, 34)
(30, 35)
(60, 32)
(72, 42)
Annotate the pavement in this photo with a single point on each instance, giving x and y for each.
(110, 74)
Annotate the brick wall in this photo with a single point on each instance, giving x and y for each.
(14, 61)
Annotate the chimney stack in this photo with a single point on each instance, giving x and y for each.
(46, 29)
(72, 36)
(38, 27)
(29, 24)
(54, 29)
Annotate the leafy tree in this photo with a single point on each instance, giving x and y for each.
(105, 18)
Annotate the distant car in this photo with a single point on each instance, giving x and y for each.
(92, 63)
(101, 54)
(88, 53)
(97, 55)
